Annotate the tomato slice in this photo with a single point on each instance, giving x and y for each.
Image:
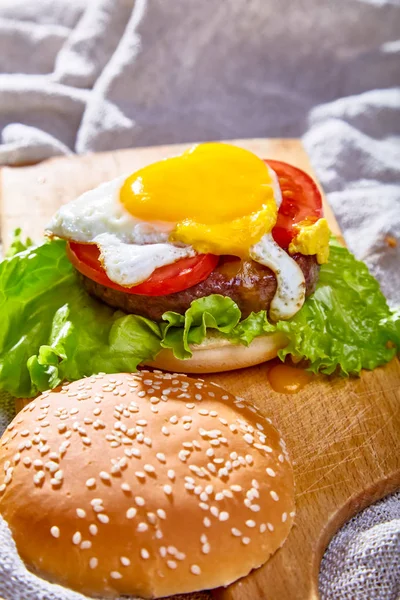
(165, 280)
(301, 200)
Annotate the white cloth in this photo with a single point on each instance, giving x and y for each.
(84, 76)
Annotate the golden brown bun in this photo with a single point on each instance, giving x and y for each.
(147, 484)
(217, 354)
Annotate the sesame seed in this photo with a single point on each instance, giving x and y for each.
(206, 522)
(55, 532)
(195, 569)
(151, 517)
(255, 507)
(171, 474)
(250, 523)
(270, 526)
(103, 518)
(86, 545)
(80, 513)
(131, 513)
(93, 562)
(206, 548)
(274, 495)
(263, 527)
(214, 511)
(164, 430)
(284, 517)
(149, 468)
(249, 459)
(90, 482)
(161, 457)
(125, 561)
(223, 516)
(139, 501)
(125, 487)
(245, 540)
(142, 527)
(104, 476)
(144, 553)
(270, 472)
(183, 454)
(115, 575)
(93, 529)
(96, 501)
(292, 514)
(167, 489)
(77, 538)
(172, 564)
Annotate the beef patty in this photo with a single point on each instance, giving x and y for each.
(251, 285)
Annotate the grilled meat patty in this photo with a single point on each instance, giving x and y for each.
(251, 285)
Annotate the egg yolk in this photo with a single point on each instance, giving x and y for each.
(219, 197)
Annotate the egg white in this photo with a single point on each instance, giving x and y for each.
(130, 249)
(290, 292)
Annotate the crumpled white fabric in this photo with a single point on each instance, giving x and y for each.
(79, 76)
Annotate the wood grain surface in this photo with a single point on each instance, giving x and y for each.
(343, 434)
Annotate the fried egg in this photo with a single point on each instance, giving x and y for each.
(214, 198)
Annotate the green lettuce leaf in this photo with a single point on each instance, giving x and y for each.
(346, 325)
(51, 330)
(212, 312)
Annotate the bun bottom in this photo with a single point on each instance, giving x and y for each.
(217, 354)
(214, 355)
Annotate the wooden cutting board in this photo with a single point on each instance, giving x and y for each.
(343, 435)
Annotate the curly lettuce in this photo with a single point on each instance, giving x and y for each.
(51, 330)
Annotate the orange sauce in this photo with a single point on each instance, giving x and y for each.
(286, 379)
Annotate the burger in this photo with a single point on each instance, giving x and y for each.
(208, 261)
(144, 484)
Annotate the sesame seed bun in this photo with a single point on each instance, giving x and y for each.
(145, 484)
(217, 354)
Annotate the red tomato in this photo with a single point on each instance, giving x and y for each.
(301, 200)
(165, 280)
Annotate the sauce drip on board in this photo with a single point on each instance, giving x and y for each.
(286, 379)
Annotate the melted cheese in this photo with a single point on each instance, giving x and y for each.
(312, 239)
